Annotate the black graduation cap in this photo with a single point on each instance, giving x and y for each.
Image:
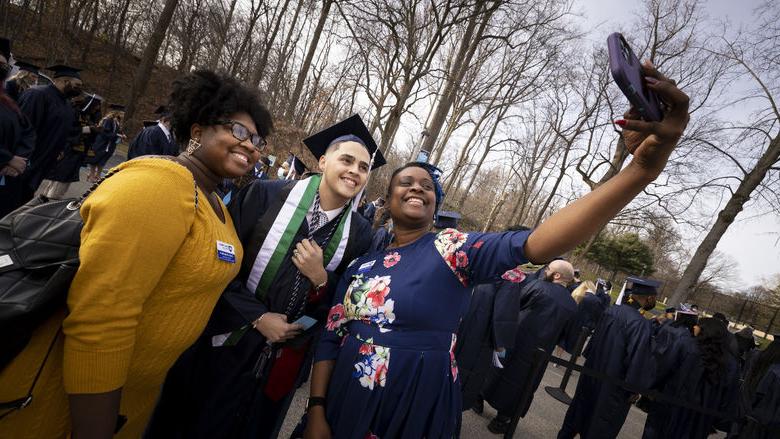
(32, 68)
(149, 123)
(5, 48)
(318, 143)
(163, 111)
(63, 70)
(118, 107)
(447, 220)
(642, 287)
(689, 318)
(297, 164)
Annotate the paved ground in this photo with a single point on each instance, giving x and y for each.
(542, 421)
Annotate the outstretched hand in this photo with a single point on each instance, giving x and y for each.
(652, 143)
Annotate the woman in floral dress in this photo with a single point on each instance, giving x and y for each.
(385, 366)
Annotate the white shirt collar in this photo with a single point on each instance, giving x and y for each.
(165, 130)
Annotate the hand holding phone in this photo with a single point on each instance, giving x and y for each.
(627, 72)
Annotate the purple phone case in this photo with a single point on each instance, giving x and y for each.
(628, 75)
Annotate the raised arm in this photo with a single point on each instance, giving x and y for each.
(651, 143)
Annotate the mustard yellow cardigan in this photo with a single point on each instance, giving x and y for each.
(148, 280)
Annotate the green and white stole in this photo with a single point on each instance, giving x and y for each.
(280, 237)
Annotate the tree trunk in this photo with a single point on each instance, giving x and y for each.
(117, 41)
(92, 30)
(466, 51)
(494, 212)
(554, 189)
(725, 217)
(304, 72)
(144, 71)
(217, 51)
(275, 80)
(257, 76)
(485, 153)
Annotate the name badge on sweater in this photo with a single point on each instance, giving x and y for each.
(365, 267)
(226, 252)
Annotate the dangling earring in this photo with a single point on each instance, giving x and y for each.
(192, 146)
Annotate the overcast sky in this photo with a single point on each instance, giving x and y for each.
(751, 242)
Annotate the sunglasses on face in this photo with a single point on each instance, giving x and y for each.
(242, 133)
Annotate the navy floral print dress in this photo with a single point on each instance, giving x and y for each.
(392, 330)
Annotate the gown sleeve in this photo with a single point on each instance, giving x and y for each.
(478, 258)
(511, 298)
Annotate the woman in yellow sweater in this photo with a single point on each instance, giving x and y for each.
(157, 249)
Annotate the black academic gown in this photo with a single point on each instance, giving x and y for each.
(152, 141)
(212, 392)
(105, 143)
(545, 308)
(589, 312)
(475, 346)
(52, 117)
(17, 138)
(12, 89)
(680, 375)
(620, 347)
(490, 323)
(70, 161)
(763, 411)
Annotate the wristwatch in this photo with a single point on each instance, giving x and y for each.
(315, 400)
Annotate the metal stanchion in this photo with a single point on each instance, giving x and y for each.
(559, 392)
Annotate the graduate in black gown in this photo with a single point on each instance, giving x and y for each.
(489, 325)
(694, 368)
(69, 162)
(760, 397)
(545, 309)
(105, 143)
(51, 115)
(26, 77)
(238, 379)
(156, 138)
(620, 347)
(17, 140)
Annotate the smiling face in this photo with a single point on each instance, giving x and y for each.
(221, 152)
(412, 197)
(344, 170)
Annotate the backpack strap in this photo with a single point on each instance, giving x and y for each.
(23, 402)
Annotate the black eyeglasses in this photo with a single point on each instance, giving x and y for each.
(241, 133)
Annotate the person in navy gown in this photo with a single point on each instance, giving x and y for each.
(759, 405)
(695, 368)
(51, 115)
(105, 143)
(385, 366)
(619, 347)
(17, 140)
(545, 310)
(155, 139)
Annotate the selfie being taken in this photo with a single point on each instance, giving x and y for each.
(390, 219)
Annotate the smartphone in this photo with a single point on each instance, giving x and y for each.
(305, 321)
(628, 75)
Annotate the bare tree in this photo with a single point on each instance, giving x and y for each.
(755, 55)
(150, 56)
